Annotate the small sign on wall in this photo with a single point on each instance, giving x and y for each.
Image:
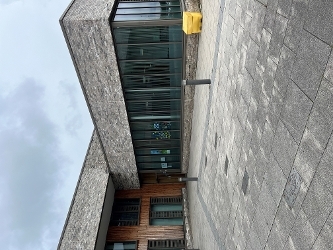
(164, 165)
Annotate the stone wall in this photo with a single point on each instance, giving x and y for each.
(187, 221)
(84, 216)
(87, 32)
(191, 55)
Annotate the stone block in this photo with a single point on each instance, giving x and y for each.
(320, 21)
(257, 11)
(245, 182)
(262, 111)
(284, 148)
(319, 127)
(284, 69)
(302, 235)
(278, 32)
(283, 7)
(267, 140)
(254, 242)
(324, 171)
(324, 100)
(266, 204)
(275, 180)
(247, 87)
(325, 238)
(317, 205)
(312, 57)
(264, 47)
(323, 244)
(308, 157)
(329, 69)
(295, 29)
(296, 111)
(284, 220)
(269, 19)
(261, 167)
(260, 227)
(274, 110)
(292, 187)
(251, 57)
(274, 241)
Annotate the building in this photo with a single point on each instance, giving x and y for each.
(130, 58)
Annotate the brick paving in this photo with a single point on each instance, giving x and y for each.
(262, 142)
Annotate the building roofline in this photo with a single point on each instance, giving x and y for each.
(65, 12)
(75, 192)
(61, 21)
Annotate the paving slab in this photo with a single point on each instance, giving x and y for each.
(320, 20)
(262, 145)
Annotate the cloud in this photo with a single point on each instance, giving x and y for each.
(30, 160)
(5, 2)
(73, 118)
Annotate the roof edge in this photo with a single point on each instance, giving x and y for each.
(61, 21)
(65, 12)
(75, 192)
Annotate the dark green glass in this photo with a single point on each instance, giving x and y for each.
(150, 61)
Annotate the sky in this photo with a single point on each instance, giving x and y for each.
(45, 126)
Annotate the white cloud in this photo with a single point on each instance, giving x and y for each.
(30, 160)
(45, 125)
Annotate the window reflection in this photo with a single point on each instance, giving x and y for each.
(136, 11)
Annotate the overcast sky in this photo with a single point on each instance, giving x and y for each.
(45, 126)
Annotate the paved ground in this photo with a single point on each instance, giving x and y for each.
(262, 143)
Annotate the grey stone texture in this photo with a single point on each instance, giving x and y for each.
(88, 35)
(191, 57)
(269, 110)
(187, 219)
(84, 216)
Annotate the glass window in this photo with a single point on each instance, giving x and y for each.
(150, 60)
(149, 51)
(125, 212)
(174, 244)
(166, 211)
(128, 245)
(152, 10)
(152, 34)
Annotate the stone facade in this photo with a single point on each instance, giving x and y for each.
(84, 216)
(87, 32)
(191, 55)
(187, 222)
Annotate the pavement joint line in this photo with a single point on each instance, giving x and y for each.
(213, 75)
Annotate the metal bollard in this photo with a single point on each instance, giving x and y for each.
(183, 179)
(196, 82)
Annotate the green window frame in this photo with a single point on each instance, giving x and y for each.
(121, 245)
(125, 212)
(172, 244)
(166, 211)
(148, 41)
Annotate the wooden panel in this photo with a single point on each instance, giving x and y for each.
(144, 231)
(154, 178)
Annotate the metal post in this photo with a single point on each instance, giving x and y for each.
(196, 82)
(183, 179)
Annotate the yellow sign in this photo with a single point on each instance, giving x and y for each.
(192, 22)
